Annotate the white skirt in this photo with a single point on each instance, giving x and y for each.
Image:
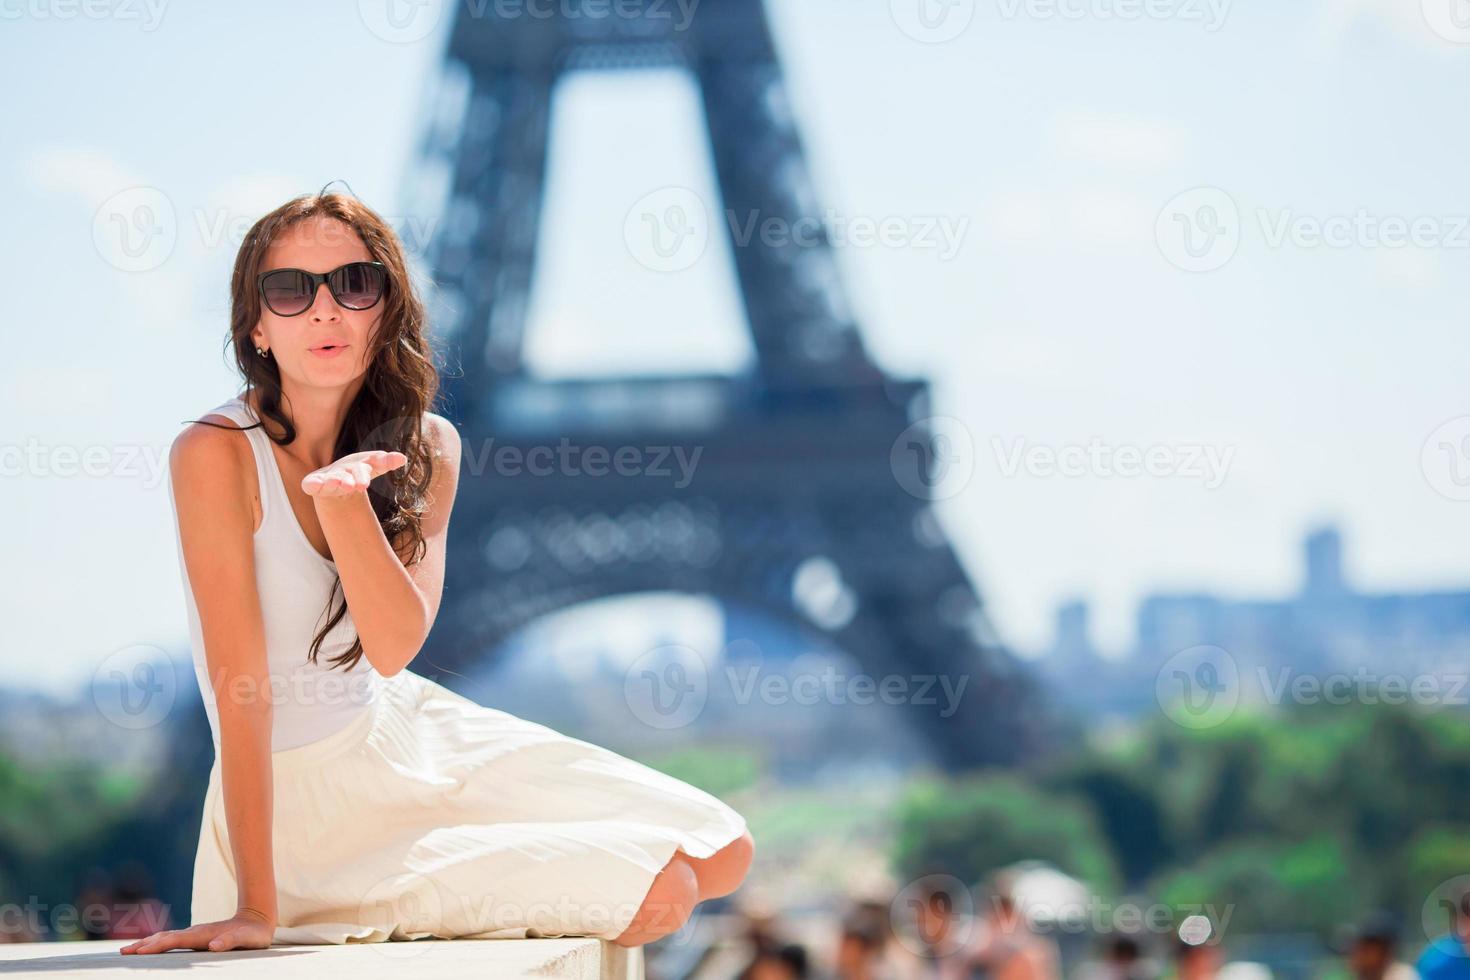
(432, 815)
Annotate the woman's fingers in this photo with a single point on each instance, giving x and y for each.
(322, 481)
(162, 941)
(379, 463)
(144, 945)
(352, 473)
(225, 940)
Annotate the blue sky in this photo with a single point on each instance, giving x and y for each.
(1056, 137)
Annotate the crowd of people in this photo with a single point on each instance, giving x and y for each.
(929, 939)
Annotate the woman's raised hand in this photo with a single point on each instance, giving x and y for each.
(351, 474)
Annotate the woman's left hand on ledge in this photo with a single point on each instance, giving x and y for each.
(247, 929)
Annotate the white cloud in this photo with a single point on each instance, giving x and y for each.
(1019, 215)
(1027, 356)
(235, 204)
(1415, 268)
(1087, 216)
(1105, 216)
(50, 390)
(1121, 141)
(88, 171)
(1407, 18)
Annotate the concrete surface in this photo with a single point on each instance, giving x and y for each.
(439, 959)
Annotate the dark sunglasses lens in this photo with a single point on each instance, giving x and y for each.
(287, 292)
(357, 286)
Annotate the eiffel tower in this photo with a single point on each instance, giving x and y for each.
(814, 463)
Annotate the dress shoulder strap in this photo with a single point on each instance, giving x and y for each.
(237, 411)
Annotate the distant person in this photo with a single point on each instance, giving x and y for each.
(1196, 961)
(349, 793)
(934, 938)
(786, 962)
(759, 929)
(1370, 952)
(869, 947)
(859, 949)
(136, 911)
(1007, 948)
(94, 904)
(1122, 959)
(17, 929)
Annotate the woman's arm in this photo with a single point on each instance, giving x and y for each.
(393, 606)
(216, 529)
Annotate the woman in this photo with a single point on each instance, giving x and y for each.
(357, 800)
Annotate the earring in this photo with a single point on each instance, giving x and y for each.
(260, 352)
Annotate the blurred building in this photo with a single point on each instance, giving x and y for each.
(1328, 632)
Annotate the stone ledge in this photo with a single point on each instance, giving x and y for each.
(458, 959)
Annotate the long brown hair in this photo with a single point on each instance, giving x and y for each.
(399, 387)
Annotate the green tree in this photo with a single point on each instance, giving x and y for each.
(972, 825)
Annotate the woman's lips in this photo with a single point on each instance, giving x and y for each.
(328, 351)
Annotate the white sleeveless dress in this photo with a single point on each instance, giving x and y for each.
(403, 810)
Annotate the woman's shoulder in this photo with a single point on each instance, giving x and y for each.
(212, 476)
(209, 440)
(442, 435)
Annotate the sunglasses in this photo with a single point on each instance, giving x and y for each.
(356, 286)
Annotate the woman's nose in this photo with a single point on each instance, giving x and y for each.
(324, 305)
